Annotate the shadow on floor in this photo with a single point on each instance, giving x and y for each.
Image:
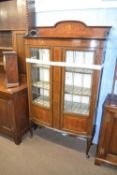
(65, 140)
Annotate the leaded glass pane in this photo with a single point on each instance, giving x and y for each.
(40, 76)
(78, 82)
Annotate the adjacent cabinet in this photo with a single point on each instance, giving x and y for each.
(64, 65)
(14, 115)
(107, 147)
(16, 18)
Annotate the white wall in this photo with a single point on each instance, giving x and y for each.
(92, 12)
(54, 5)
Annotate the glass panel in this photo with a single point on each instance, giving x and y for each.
(78, 83)
(40, 54)
(40, 97)
(40, 76)
(76, 104)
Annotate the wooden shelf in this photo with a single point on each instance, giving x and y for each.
(79, 70)
(41, 84)
(42, 100)
(76, 107)
(6, 48)
(69, 89)
(40, 66)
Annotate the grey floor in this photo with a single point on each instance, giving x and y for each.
(49, 153)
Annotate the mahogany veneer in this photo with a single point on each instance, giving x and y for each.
(64, 38)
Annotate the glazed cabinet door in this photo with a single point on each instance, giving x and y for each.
(79, 89)
(40, 86)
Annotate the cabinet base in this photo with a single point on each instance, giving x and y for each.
(112, 160)
(34, 125)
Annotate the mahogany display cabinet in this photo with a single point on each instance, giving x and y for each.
(64, 65)
(107, 145)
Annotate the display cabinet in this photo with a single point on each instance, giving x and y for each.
(64, 65)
